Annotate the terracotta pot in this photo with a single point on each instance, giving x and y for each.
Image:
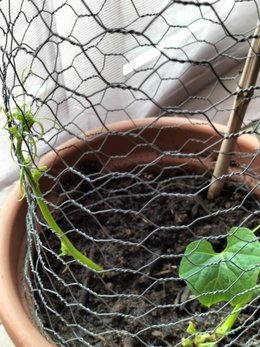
(198, 145)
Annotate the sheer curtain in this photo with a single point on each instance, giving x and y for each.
(89, 63)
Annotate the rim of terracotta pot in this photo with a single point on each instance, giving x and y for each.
(14, 316)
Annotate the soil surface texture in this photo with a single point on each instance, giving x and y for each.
(137, 227)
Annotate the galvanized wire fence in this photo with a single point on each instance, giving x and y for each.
(132, 196)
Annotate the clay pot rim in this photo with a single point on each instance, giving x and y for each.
(23, 331)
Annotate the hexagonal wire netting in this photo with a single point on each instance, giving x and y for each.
(146, 90)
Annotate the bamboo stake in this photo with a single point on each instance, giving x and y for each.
(241, 101)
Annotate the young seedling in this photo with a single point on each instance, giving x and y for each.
(228, 276)
(20, 125)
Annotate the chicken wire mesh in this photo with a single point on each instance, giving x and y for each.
(133, 195)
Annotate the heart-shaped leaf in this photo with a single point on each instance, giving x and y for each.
(230, 275)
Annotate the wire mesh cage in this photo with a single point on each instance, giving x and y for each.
(118, 114)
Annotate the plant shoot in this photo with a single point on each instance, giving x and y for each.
(20, 123)
(229, 276)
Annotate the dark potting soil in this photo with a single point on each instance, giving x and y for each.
(138, 226)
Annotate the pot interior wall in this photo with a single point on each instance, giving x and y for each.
(163, 143)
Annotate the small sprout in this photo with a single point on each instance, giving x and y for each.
(228, 276)
(186, 342)
(199, 339)
(191, 329)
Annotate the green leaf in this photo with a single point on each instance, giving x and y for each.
(37, 173)
(13, 131)
(225, 276)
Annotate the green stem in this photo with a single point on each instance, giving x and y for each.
(66, 246)
(228, 323)
(256, 229)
